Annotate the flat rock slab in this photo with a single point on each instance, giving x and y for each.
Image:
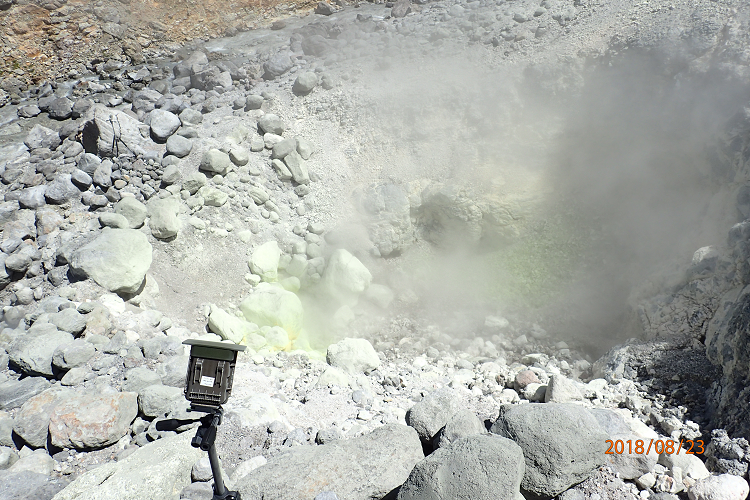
(14, 393)
(362, 468)
(92, 421)
(157, 471)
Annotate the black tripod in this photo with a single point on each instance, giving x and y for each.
(205, 437)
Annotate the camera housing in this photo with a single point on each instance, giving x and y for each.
(210, 372)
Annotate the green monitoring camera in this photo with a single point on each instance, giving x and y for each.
(210, 372)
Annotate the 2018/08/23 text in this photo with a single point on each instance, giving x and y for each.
(667, 446)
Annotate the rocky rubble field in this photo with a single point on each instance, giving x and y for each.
(362, 197)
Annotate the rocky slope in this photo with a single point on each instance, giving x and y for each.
(426, 221)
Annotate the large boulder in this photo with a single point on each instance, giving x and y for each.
(108, 132)
(345, 277)
(92, 420)
(32, 420)
(157, 471)
(228, 326)
(117, 259)
(33, 351)
(562, 444)
(265, 261)
(387, 214)
(366, 467)
(481, 467)
(270, 305)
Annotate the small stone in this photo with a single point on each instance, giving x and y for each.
(179, 146)
(109, 219)
(304, 148)
(253, 101)
(305, 82)
(281, 170)
(324, 9)
(163, 124)
(81, 179)
(212, 196)
(239, 156)
(215, 161)
(270, 123)
(257, 144)
(171, 174)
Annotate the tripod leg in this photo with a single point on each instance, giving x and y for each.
(213, 458)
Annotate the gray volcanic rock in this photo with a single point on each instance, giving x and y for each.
(62, 189)
(137, 379)
(163, 124)
(482, 467)
(726, 342)
(74, 354)
(215, 162)
(69, 320)
(278, 64)
(89, 420)
(270, 123)
(103, 175)
(25, 484)
(15, 393)
(157, 400)
(108, 132)
(179, 146)
(33, 351)
(32, 420)
(305, 83)
(81, 179)
(433, 412)
(157, 471)
(42, 137)
(369, 466)
(117, 259)
(562, 444)
(163, 220)
(89, 162)
(32, 197)
(463, 424)
(60, 109)
(133, 210)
